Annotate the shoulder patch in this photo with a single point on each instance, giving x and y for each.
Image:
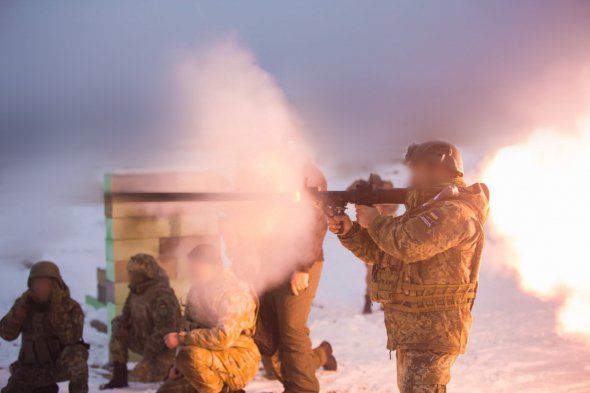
(430, 218)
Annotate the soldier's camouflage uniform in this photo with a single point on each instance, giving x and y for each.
(150, 312)
(52, 348)
(426, 266)
(218, 348)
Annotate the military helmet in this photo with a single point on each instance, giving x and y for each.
(436, 152)
(144, 264)
(45, 269)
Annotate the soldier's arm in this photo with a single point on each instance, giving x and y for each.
(360, 243)
(167, 319)
(443, 226)
(237, 313)
(12, 323)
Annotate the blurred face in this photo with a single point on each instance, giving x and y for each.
(135, 278)
(202, 271)
(424, 174)
(42, 288)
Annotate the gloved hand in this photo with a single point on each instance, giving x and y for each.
(173, 340)
(339, 224)
(365, 215)
(25, 301)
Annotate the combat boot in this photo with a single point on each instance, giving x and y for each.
(119, 379)
(368, 305)
(331, 363)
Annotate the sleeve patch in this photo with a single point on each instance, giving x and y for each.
(430, 218)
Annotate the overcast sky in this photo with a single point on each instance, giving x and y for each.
(366, 78)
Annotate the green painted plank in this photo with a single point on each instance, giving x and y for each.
(108, 223)
(110, 270)
(110, 250)
(111, 314)
(94, 302)
(107, 183)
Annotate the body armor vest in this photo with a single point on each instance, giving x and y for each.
(40, 347)
(391, 284)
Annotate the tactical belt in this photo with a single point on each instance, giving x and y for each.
(416, 298)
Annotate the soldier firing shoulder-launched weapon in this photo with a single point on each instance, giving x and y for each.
(332, 202)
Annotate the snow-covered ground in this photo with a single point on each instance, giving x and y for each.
(513, 345)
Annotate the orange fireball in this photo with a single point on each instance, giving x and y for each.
(541, 207)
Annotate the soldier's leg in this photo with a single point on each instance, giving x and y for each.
(153, 369)
(119, 344)
(196, 366)
(322, 357)
(423, 371)
(27, 380)
(208, 371)
(238, 365)
(272, 366)
(16, 385)
(72, 366)
(298, 366)
(367, 308)
(119, 353)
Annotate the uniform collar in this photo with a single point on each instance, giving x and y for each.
(417, 198)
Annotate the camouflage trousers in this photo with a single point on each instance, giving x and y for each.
(206, 371)
(152, 368)
(423, 371)
(272, 364)
(72, 365)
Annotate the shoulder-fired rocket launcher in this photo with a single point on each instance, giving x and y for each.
(332, 202)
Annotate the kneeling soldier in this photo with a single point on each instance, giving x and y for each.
(216, 352)
(150, 312)
(51, 324)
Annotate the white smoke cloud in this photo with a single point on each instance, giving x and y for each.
(243, 127)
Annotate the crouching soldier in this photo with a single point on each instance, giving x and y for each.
(150, 312)
(216, 352)
(51, 325)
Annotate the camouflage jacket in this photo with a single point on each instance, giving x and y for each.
(45, 329)
(150, 312)
(426, 266)
(221, 315)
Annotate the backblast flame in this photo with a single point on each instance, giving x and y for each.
(540, 206)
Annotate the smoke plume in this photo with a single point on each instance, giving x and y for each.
(242, 126)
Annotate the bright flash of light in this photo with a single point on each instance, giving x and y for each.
(298, 196)
(541, 207)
